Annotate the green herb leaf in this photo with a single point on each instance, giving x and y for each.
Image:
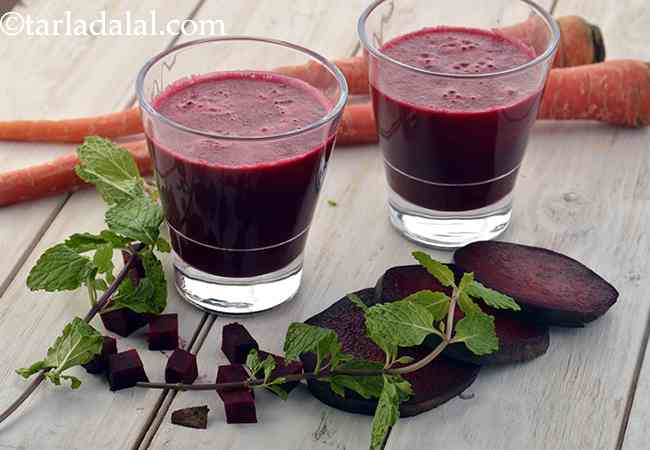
(253, 362)
(477, 332)
(332, 203)
(467, 305)
(115, 240)
(138, 219)
(155, 273)
(366, 387)
(277, 390)
(440, 271)
(402, 323)
(136, 298)
(103, 258)
(77, 345)
(163, 246)
(268, 366)
(111, 169)
(354, 298)
(466, 281)
(60, 268)
(303, 338)
(386, 414)
(491, 297)
(437, 303)
(404, 360)
(84, 242)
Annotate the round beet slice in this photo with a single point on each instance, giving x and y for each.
(550, 287)
(519, 340)
(433, 385)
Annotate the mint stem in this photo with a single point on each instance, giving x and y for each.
(256, 382)
(101, 303)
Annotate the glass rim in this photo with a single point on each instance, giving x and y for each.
(550, 49)
(334, 111)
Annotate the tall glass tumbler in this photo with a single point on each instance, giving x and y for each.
(240, 149)
(455, 92)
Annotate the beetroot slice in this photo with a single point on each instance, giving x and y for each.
(181, 367)
(438, 382)
(519, 340)
(550, 287)
(99, 363)
(123, 321)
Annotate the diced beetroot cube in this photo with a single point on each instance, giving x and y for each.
(236, 342)
(99, 363)
(239, 404)
(163, 332)
(181, 367)
(123, 321)
(282, 369)
(125, 370)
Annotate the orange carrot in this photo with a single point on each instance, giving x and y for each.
(112, 125)
(615, 92)
(580, 41)
(357, 125)
(56, 176)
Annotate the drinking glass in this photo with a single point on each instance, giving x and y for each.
(453, 126)
(239, 207)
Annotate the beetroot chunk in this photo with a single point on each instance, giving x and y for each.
(136, 273)
(550, 287)
(123, 321)
(181, 367)
(239, 404)
(237, 342)
(99, 363)
(519, 340)
(163, 332)
(436, 383)
(125, 370)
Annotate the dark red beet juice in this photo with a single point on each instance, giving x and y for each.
(240, 208)
(454, 144)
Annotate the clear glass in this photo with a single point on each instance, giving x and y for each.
(238, 224)
(453, 116)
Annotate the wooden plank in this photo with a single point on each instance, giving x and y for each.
(64, 76)
(633, 408)
(92, 417)
(581, 193)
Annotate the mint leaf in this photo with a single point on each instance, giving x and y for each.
(163, 246)
(466, 281)
(111, 169)
(138, 219)
(253, 362)
(367, 387)
(440, 271)
(467, 305)
(386, 414)
(354, 298)
(103, 258)
(477, 332)
(138, 298)
(59, 268)
(437, 303)
(77, 345)
(402, 323)
(491, 297)
(277, 390)
(115, 240)
(268, 366)
(303, 338)
(155, 273)
(84, 242)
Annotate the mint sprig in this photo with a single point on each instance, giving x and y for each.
(78, 344)
(133, 220)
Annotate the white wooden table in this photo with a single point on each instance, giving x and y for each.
(584, 190)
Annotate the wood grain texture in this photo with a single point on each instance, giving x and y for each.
(65, 76)
(624, 25)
